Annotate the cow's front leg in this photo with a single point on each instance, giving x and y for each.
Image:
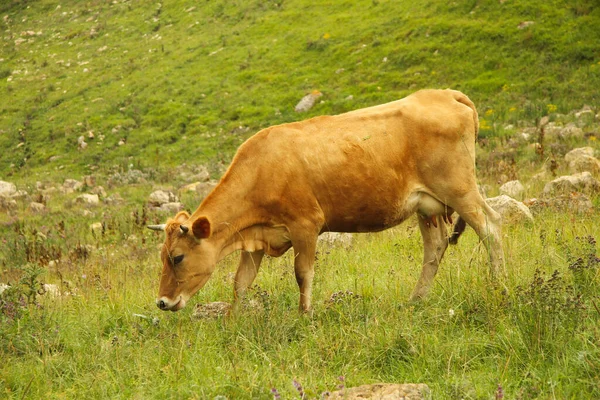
(434, 246)
(246, 272)
(304, 252)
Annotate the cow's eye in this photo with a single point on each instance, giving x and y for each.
(178, 259)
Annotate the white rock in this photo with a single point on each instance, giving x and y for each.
(582, 159)
(204, 188)
(578, 152)
(3, 287)
(99, 190)
(583, 182)
(7, 189)
(71, 185)
(336, 239)
(96, 228)
(514, 189)
(511, 210)
(160, 197)
(51, 290)
(189, 188)
(308, 101)
(173, 207)
(383, 391)
(36, 208)
(88, 199)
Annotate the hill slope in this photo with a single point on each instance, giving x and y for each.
(188, 81)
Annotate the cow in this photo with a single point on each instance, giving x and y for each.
(362, 171)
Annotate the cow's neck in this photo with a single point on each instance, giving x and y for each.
(235, 222)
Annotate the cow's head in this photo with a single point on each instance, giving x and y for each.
(188, 260)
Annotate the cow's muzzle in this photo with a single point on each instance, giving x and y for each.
(166, 304)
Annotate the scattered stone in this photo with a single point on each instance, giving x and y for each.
(336, 239)
(81, 144)
(97, 228)
(3, 287)
(88, 199)
(511, 210)
(20, 195)
(514, 189)
(51, 290)
(574, 203)
(99, 190)
(87, 213)
(585, 110)
(36, 208)
(308, 101)
(7, 189)
(7, 204)
(113, 199)
(160, 197)
(582, 182)
(582, 159)
(189, 188)
(525, 24)
(211, 310)
(554, 130)
(204, 188)
(89, 180)
(172, 208)
(71, 185)
(383, 391)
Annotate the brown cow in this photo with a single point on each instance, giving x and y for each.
(362, 171)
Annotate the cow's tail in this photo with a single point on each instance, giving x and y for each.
(462, 98)
(459, 228)
(460, 225)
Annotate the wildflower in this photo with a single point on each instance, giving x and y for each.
(551, 108)
(451, 312)
(489, 112)
(299, 388)
(512, 109)
(275, 393)
(342, 384)
(499, 393)
(326, 36)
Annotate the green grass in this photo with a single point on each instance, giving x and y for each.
(539, 340)
(177, 80)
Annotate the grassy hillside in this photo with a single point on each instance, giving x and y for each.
(186, 82)
(183, 81)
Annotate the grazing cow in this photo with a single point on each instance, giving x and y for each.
(362, 171)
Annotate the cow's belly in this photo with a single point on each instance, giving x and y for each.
(377, 216)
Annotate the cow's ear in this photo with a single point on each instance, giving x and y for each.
(201, 228)
(181, 217)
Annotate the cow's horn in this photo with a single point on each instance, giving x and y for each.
(160, 227)
(184, 228)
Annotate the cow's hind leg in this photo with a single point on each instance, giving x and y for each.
(435, 243)
(246, 272)
(487, 224)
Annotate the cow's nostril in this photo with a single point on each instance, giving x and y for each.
(162, 305)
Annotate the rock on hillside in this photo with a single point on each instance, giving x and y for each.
(383, 391)
(583, 182)
(582, 159)
(511, 210)
(514, 189)
(7, 189)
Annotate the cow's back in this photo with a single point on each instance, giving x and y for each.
(357, 169)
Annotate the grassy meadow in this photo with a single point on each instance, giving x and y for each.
(183, 83)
